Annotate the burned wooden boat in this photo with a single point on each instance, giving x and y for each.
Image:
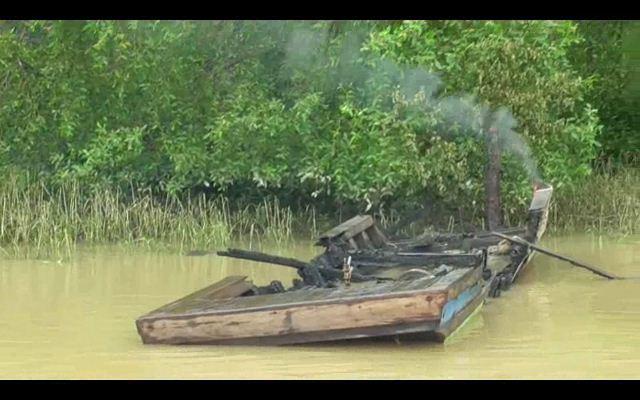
(362, 285)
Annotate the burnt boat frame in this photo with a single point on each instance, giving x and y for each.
(432, 312)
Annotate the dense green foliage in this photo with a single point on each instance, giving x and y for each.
(362, 114)
(610, 57)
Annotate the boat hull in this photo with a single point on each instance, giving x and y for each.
(434, 308)
(430, 307)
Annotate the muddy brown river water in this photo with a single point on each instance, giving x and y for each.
(75, 319)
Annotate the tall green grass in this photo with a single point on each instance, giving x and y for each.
(38, 222)
(607, 203)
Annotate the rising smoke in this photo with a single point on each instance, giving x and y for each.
(368, 75)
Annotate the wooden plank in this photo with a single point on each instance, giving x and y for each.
(361, 313)
(228, 287)
(541, 198)
(343, 227)
(349, 228)
(375, 236)
(386, 331)
(380, 236)
(365, 222)
(352, 244)
(518, 230)
(366, 240)
(391, 259)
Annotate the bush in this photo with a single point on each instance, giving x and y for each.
(362, 114)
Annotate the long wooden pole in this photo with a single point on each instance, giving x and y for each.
(262, 257)
(580, 264)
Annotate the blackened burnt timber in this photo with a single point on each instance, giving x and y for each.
(398, 259)
(261, 257)
(313, 274)
(361, 285)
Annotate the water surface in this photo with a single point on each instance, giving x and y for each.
(75, 319)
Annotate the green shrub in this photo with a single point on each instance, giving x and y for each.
(354, 115)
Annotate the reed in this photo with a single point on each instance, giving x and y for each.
(607, 203)
(39, 222)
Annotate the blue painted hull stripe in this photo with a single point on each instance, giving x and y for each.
(456, 305)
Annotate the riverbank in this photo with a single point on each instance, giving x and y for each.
(38, 222)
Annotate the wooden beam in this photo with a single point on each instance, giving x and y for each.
(381, 236)
(353, 230)
(349, 228)
(390, 259)
(366, 240)
(331, 335)
(263, 257)
(376, 237)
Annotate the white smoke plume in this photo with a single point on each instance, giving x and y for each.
(463, 113)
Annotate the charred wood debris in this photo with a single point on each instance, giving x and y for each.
(341, 264)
